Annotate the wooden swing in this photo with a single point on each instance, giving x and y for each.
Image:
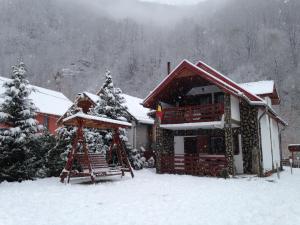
(94, 165)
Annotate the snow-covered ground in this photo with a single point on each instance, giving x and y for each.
(154, 199)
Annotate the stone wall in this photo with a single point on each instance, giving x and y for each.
(228, 135)
(250, 138)
(164, 144)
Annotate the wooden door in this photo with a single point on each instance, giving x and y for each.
(202, 144)
(190, 145)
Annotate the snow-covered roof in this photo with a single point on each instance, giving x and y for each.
(96, 118)
(134, 107)
(93, 97)
(46, 100)
(137, 110)
(259, 87)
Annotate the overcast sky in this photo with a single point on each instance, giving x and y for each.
(175, 2)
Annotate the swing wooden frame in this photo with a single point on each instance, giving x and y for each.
(94, 163)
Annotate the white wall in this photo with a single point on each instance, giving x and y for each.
(238, 159)
(204, 90)
(130, 135)
(179, 144)
(268, 100)
(265, 142)
(269, 141)
(275, 142)
(179, 149)
(235, 108)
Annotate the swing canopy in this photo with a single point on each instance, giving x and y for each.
(89, 121)
(94, 165)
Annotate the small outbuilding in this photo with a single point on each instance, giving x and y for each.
(51, 105)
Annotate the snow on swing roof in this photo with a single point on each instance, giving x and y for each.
(46, 100)
(94, 121)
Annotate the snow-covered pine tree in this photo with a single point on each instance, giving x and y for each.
(111, 105)
(18, 113)
(111, 102)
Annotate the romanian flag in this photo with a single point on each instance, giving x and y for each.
(159, 113)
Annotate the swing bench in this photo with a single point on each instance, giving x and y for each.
(93, 166)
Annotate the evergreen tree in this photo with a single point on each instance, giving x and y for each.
(111, 102)
(57, 156)
(18, 113)
(111, 105)
(40, 147)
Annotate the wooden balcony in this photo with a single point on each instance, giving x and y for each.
(192, 114)
(198, 165)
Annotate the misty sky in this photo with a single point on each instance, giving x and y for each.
(175, 2)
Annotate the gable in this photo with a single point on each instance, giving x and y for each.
(187, 72)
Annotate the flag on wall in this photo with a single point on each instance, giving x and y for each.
(159, 113)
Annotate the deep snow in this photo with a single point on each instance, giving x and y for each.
(154, 199)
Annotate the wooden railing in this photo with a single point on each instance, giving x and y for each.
(190, 114)
(199, 165)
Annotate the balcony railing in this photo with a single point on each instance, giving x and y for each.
(191, 114)
(199, 165)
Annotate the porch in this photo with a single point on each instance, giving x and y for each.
(193, 114)
(193, 164)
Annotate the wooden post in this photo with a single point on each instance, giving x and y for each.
(291, 165)
(70, 160)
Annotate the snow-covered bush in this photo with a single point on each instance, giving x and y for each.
(150, 163)
(57, 155)
(137, 161)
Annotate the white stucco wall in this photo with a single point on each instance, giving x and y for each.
(235, 108)
(138, 136)
(268, 100)
(265, 142)
(238, 159)
(130, 135)
(275, 142)
(179, 144)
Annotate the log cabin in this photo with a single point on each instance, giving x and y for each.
(51, 105)
(209, 124)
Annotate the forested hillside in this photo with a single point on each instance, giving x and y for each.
(68, 44)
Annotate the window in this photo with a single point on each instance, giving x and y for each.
(219, 97)
(205, 99)
(217, 145)
(236, 147)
